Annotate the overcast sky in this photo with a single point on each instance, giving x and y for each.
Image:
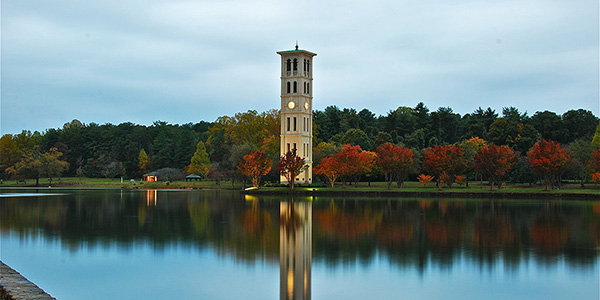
(115, 61)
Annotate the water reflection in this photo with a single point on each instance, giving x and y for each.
(295, 250)
(405, 234)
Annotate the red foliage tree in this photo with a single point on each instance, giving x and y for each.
(595, 163)
(448, 159)
(329, 168)
(548, 160)
(353, 162)
(289, 166)
(395, 162)
(255, 165)
(494, 162)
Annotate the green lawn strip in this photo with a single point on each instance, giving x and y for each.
(380, 187)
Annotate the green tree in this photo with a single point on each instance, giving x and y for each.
(200, 162)
(358, 137)
(550, 126)
(581, 155)
(163, 150)
(579, 124)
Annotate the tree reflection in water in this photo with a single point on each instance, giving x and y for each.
(332, 231)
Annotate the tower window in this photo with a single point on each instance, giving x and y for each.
(288, 87)
(305, 65)
(294, 128)
(288, 123)
(308, 88)
(295, 64)
(289, 65)
(308, 66)
(295, 87)
(305, 87)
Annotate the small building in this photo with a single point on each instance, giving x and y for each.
(150, 176)
(194, 177)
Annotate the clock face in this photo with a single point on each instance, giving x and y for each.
(291, 104)
(306, 105)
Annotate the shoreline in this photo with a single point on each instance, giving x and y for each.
(356, 192)
(15, 286)
(434, 194)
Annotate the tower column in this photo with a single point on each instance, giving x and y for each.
(296, 108)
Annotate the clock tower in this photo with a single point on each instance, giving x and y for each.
(296, 107)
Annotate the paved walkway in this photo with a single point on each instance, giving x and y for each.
(18, 287)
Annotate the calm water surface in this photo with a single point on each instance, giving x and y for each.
(112, 244)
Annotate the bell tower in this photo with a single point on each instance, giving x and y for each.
(296, 107)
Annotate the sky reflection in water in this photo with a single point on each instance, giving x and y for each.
(217, 245)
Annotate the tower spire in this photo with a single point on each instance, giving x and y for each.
(296, 44)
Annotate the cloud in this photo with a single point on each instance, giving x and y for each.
(186, 61)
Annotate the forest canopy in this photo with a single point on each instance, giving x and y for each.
(108, 150)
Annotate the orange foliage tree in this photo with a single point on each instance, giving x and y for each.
(494, 162)
(329, 168)
(255, 165)
(548, 160)
(289, 166)
(353, 162)
(424, 179)
(447, 160)
(595, 163)
(395, 162)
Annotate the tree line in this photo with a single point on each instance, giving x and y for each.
(129, 150)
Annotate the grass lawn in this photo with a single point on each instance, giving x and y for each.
(409, 186)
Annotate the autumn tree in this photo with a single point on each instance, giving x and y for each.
(595, 162)
(200, 162)
(596, 138)
(494, 162)
(394, 162)
(353, 162)
(548, 160)
(255, 165)
(51, 165)
(35, 164)
(470, 148)
(424, 179)
(329, 168)
(143, 162)
(447, 160)
(290, 165)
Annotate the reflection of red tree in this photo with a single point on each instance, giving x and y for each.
(595, 224)
(443, 232)
(345, 225)
(491, 232)
(548, 236)
(393, 234)
(255, 222)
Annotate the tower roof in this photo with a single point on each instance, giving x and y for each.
(293, 51)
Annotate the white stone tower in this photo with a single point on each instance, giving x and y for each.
(296, 107)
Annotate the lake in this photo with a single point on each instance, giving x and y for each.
(218, 244)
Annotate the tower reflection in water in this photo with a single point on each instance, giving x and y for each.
(295, 250)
